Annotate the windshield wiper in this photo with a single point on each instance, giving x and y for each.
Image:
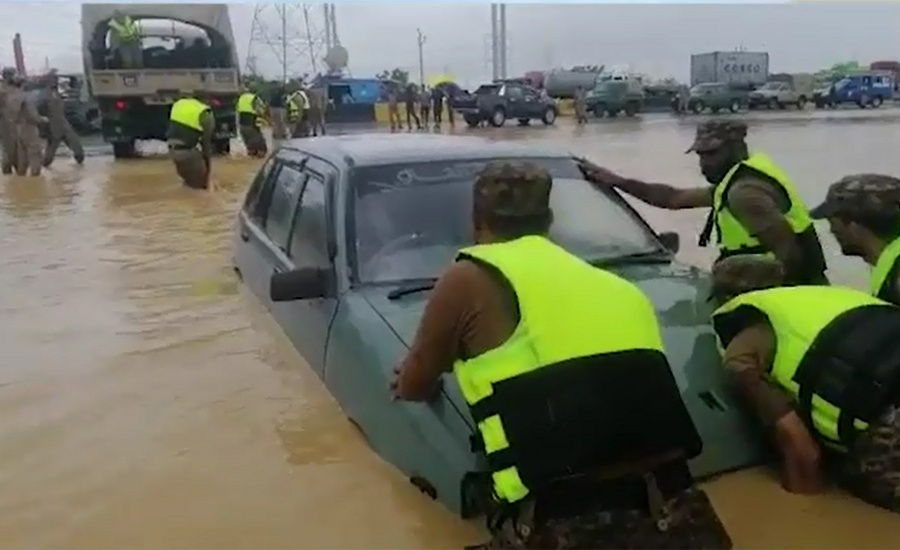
(646, 257)
(411, 288)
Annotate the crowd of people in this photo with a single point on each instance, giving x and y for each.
(578, 415)
(33, 124)
(423, 105)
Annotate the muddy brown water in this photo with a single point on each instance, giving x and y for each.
(147, 401)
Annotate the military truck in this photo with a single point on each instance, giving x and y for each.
(615, 94)
(184, 47)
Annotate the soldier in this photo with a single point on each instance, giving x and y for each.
(863, 211)
(298, 113)
(7, 128)
(252, 111)
(318, 103)
(393, 107)
(191, 126)
(425, 106)
(437, 105)
(277, 110)
(754, 205)
(557, 378)
(59, 128)
(580, 105)
(24, 126)
(125, 41)
(820, 366)
(410, 99)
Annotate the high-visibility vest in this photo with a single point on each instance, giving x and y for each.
(566, 393)
(185, 127)
(127, 30)
(883, 281)
(836, 351)
(733, 238)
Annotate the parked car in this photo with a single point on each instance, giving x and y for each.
(612, 96)
(498, 102)
(342, 237)
(777, 95)
(865, 89)
(716, 96)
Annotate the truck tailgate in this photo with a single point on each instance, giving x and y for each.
(162, 82)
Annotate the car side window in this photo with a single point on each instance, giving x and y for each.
(513, 91)
(259, 195)
(309, 243)
(285, 194)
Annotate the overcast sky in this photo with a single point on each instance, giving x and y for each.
(657, 39)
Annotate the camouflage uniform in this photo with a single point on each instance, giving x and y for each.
(715, 133)
(870, 469)
(860, 196)
(59, 129)
(574, 514)
(22, 123)
(7, 128)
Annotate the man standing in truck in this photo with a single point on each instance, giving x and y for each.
(125, 41)
(191, 125)
(252, 111)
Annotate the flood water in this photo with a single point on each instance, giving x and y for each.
(147, 401)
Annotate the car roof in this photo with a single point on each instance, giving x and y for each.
(375, 149)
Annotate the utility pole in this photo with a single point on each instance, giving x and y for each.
(283, 14)
(495, 53)
(420, 39)
(503, 41)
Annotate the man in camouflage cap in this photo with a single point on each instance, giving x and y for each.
(492, 311)
(754, 207)
(812, 362)
(863, 211)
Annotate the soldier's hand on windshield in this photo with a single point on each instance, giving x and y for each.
(596, 174)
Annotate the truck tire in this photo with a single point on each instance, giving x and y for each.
(498, 117)
(876, 102)
(863, 101)
(599, 109)
(734, 106)
(124, 150)
(549, 116)
(222, 146)
(698, 107)
(773, 104)
(472, 120)
(801, 102)
(632, 108)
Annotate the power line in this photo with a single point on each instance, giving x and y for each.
(284, 36)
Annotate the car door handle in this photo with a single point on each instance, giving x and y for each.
(277, 270)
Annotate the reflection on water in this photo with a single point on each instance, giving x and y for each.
(147, 401)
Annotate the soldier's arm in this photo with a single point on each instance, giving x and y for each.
(660, 195)
(754, 203)
(31, 112)
(436, 344)
(208, 123)
(747, 359)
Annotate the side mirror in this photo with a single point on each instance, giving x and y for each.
(300, 284)
(671, 241)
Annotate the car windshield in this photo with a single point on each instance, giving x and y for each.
(703, 87)
(771, 86)
(842, 83)
(487, 89)
(412, 219)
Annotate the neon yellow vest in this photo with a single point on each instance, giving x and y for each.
(246, 104)
(297, 102)
(884, 266)
(555, 325)
(187, 111)
(732, 236)
(127, 30)
(798, 315)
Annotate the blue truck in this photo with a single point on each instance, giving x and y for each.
(866, 89)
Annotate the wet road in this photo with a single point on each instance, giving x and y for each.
(146, 401)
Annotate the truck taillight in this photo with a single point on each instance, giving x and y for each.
(120, 105)
(215, 102)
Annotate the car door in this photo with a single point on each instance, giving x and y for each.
(514, 101)
(310, 245)
(531, 102)
(250, 259)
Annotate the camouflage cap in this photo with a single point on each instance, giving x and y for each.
(746, 272)
(507, 189)
(9, 73)
(861, 195)
(713, 134)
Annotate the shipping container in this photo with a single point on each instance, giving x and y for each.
(561, 83)
(748, 68)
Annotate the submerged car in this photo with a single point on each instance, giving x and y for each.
(342, 237)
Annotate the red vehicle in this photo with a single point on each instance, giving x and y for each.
(891, 66)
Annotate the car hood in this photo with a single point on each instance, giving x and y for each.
(680, 294)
